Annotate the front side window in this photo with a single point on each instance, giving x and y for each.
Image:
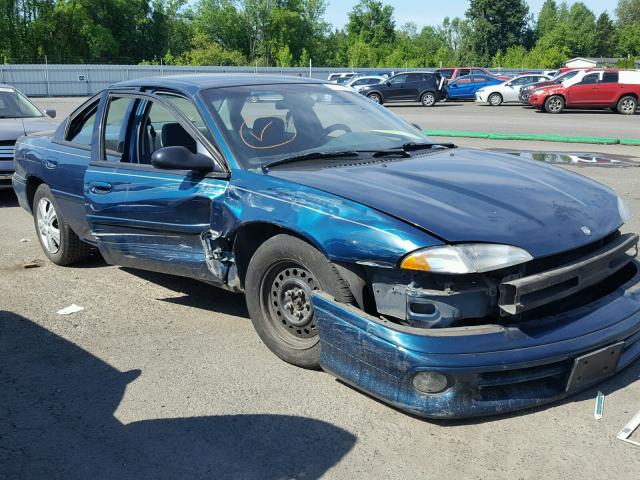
(590, 79)
(398, 79)
(271, 122)
(114, 132)
(189, 110)
(15, 105)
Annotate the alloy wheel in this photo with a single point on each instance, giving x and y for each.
(627, 106)
(48, 226)
(555, 105)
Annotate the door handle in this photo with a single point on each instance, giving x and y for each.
(50, 164)
(100, 187)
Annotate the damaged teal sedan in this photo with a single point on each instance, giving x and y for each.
(447, 282)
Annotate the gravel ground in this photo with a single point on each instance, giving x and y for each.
(164, 377)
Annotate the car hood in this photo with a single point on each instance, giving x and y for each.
(14, 128)
(475, 196)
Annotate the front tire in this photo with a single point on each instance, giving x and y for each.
(554, 104)
(428, 99)
(627, 105)
(59, 243)
(281, 276)
(495, 100)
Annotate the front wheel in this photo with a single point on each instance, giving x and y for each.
(627, 105)
(428, 99)
(59, 243)
(554, 104)
(495, 99)
(281, 276)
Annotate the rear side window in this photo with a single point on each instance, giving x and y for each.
(479, 79)
(463, 71)
(80, 129)
(414, 77)
(610, 77)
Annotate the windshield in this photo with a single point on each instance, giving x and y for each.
(15, 105)
(566, 76)
(266, 123)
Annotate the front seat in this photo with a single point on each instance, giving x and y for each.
(268, 132)
(174, 135)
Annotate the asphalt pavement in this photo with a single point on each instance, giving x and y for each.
(164, 377)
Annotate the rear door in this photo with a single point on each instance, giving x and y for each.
(146, 217)
(608, 89)
(460, 88)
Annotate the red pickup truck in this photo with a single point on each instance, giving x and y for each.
(617, 90)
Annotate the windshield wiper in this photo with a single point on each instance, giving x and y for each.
(310, 156)
(404, 150)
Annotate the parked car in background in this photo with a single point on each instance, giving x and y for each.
(18, 117)
(341, 77)
(465, 88)
(447, 282)
(617, 90)
(425, 87)
(454, 73)
(508, 91)
(525, 91)
(363, 80)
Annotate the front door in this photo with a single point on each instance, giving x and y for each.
(396, 88)
(145, 217)
(583, 93)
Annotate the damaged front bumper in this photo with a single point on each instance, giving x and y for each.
(491, 369)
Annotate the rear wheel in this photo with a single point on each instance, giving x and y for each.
(281, 276)
(627, 105)
(554, 104)
(495, 99)
(59, 243)
(428, 99)
(375, 97)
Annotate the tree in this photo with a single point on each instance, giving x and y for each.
(285, 59)
(547, 18)
(582, 30)
(497, 25)
(605, 36)
(628, 12)
(372, 22)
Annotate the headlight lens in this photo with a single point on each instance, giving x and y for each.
(465, 258)
(624, 211)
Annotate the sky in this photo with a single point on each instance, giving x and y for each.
(432, 12)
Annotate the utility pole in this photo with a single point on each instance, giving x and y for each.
(309, 67)
(46, 73)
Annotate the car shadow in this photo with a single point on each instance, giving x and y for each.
(414, 105)
(195, 294)
(8, 198)
(57, 421)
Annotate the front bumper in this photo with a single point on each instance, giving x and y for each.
(536, 100)
(493, 369)
(481, 97)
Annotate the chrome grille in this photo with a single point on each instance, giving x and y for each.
(6, 152)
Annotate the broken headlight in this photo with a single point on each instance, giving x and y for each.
(465, 258)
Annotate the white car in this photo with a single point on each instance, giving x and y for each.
(362, 81)
(508, 91)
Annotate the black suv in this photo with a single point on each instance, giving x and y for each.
(425, 87)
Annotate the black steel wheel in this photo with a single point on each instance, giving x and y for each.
(282, 274)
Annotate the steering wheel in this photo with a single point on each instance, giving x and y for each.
(336, 127)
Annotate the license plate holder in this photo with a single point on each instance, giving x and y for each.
(588, 369)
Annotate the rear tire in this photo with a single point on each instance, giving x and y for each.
(495, 100)
(627, 105)
(554, 104)
(375, 97)
(281, 275)
(428, 99)
(59, 243)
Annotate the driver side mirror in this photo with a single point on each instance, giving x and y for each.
(180, 158)
(50, 113)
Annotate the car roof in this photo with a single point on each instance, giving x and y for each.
(196, 82)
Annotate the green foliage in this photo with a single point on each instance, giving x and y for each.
(291, 32)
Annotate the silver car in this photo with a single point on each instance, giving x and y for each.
(18, 117)
(509, 91)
